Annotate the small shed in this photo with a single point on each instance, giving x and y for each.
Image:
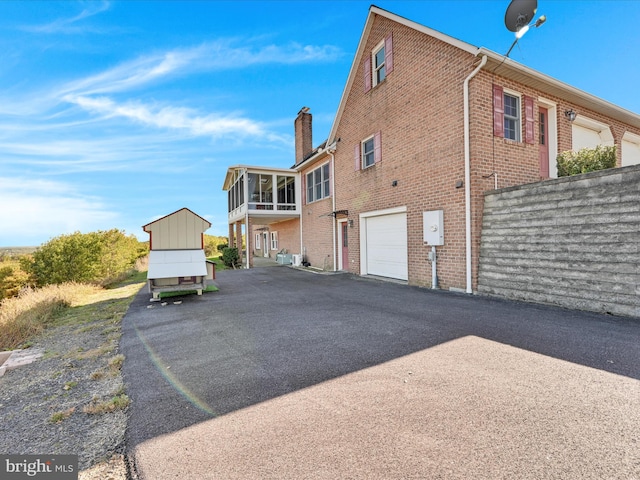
(176, 258)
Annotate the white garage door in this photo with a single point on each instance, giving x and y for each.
(386, 245)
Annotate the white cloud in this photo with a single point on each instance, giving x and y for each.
(222, 54)
(67, 25)
(179, 118)
(42, 209)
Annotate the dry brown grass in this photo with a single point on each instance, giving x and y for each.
(98, 407)
(26, 315)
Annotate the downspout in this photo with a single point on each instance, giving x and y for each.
(246, 216)
(301, 216)
(467, 174)
(331, 151)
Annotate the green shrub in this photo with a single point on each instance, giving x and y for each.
(586, 160)
(230, 257)
(96, 257)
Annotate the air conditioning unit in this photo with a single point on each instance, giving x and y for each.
(296, 260)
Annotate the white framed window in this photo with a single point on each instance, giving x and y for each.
(274, 240)
(258, 241)
(368, 157)
(368, 152)
(512, 116)
(318, 183)
(378, 62)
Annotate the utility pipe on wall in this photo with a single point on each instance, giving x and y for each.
(331, 149)
(467, 174)
(434, 269)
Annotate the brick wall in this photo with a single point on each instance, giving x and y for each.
(288, 237)
(572, 241)
(418, 109)
(317, 233)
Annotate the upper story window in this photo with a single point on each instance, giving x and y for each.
(368, 152)
(378, 64)
(508, 121)
(379, 71)
(318, 183)
(286, 192)
(512, 117)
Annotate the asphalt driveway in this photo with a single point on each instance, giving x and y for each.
(288, 374)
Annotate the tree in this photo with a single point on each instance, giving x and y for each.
(213, 245)
(96, 257)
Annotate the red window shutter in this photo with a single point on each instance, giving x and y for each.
(377, 147)
(528, 120)
(498, 111)
(356, 159)
(388, 54)
(367, 74)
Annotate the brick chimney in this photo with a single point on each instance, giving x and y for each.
(303, 130)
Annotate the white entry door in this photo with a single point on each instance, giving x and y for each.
(265, 243)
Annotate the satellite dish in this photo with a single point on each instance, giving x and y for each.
(520, 13)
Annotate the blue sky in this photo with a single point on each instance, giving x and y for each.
(114, 113)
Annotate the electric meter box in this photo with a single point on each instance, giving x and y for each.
(433, 227)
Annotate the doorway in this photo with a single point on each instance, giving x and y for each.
(543, 135)
(344, 245)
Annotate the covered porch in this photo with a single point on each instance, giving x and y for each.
(264, 212)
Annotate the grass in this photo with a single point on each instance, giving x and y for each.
(98, 407)
(210, 288)
(58, 417)
(27, 315)
(219, 263)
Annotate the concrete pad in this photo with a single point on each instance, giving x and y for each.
(468, 408)
(17, 358)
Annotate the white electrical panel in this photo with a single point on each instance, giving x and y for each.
(433, 227)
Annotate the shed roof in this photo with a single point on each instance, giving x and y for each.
(144, 227)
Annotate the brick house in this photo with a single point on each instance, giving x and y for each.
(427, 124)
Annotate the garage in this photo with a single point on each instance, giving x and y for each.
(383, 243)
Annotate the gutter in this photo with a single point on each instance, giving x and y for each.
(467, 175)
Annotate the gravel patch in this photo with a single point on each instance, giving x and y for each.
(43, 404)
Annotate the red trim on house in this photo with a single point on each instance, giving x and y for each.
(377, 147)
(529, 122)
(357, 159)
(367, 74)
(498, 111)
(388, 54)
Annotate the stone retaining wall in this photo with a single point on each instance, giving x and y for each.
(572, 241)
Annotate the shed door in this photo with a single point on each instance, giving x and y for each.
(386, 244)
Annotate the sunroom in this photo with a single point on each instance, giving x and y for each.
(259, 196)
